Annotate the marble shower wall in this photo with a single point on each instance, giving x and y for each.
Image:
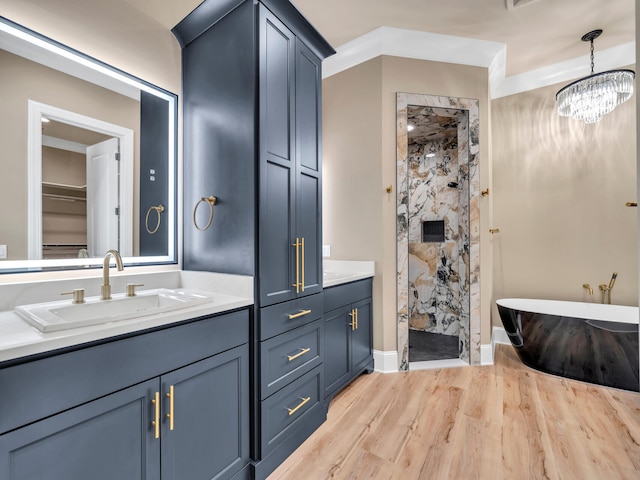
(469, 223)
(434, 194)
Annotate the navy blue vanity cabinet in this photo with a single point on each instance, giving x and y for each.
(348, 330)
(290, 178)
(252, 137)
(104, 439)
(167, 404)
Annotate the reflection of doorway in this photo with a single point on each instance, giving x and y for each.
(64, 188)
(103, 208)
(118, 197)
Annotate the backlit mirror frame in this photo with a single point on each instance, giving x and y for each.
(73, 62)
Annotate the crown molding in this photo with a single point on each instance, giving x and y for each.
(608, 59)
(467, 51)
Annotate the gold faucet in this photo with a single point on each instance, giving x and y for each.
(606, 289)
(106, 287)
(588, 287)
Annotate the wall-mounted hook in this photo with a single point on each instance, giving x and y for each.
(494, 230)
(631, 204)
(390, 189)
(484, 192)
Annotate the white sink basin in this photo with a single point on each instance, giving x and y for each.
(63, 315)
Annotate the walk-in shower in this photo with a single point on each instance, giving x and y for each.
(437, 213)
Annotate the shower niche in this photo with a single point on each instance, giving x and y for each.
(437, 181)
(432, 231)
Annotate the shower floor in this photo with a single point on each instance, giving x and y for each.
(425, 346)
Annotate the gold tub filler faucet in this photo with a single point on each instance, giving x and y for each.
(606, 289)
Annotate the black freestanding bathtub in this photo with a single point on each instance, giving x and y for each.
(584, 341)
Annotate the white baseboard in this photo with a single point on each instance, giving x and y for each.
(499, 335)
(486, 354)
(385, 362)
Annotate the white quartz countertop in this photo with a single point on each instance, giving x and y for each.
(19, 339)
(338, 272)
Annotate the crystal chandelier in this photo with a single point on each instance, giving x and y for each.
(592, 97)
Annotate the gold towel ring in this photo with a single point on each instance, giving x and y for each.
(211, 201)
(159, 209)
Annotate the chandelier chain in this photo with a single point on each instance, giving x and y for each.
(592, 65)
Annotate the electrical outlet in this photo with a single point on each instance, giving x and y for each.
(326, 250)
(3, 252)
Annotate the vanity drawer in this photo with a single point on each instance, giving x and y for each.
(287, 356)
(288, 409)
(341, 295)
(277, 319)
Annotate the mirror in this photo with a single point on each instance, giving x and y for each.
(88, 159)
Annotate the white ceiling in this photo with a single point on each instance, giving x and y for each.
(537, 34)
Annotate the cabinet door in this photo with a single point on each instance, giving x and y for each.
(210, 436)
(362, 336)
(277, 255)
(337, 335)
(308, 166)
(105, 439)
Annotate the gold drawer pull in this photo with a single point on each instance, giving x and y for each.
(299, 354)
(156, 422)
(170, 414)
(299, 314)
(299, 406)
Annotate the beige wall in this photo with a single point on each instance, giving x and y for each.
(559, 189)
(112, 31)
(359, 143)
(23, 80)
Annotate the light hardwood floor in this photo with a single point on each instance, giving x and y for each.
(503, 421)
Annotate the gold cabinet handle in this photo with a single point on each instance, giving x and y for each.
(299, 406)
(631, 204)
(170, 415)
(357, 319)
(299, 314)
(352, 314)
(297, 284)
(156, 422)
(302, 264)
(299, 354)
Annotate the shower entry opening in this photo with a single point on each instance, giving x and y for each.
(436, 173)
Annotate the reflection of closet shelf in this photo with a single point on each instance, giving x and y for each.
(69, 198)
(79, 188)
(64, 245)
(64, 192)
